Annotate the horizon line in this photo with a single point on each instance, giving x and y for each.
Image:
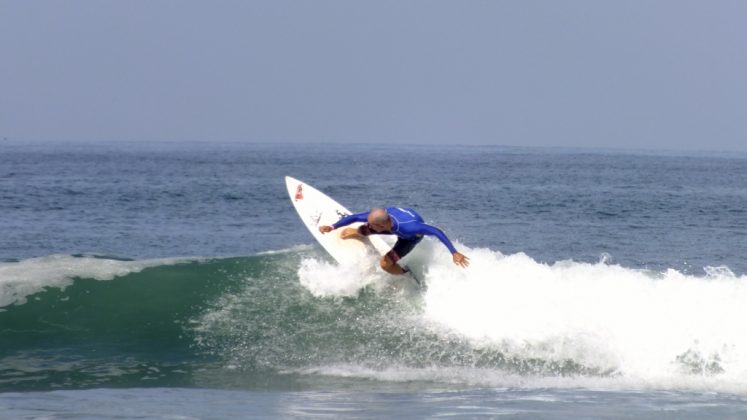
(622, 150)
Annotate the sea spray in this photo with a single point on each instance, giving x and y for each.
(324, 278)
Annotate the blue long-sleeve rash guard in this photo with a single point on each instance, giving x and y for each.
(406, 224)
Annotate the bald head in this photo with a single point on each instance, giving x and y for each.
(378, 219)
(377, 215)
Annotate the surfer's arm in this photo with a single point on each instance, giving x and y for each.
(358, 217)
(459, 258)
(425, 229)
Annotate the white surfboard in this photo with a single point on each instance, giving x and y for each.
(317, 209)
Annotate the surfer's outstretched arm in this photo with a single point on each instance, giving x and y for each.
(425, 229)
(458, 258)
(357, 217)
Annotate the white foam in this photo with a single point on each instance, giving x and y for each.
(654, 329)
(615, 319)
(18, 280)
(326, 279)
(294, 248)
(496, 378)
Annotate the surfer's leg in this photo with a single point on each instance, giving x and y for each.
(400, 249)
(390, 266)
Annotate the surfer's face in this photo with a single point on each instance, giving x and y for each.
(379, 226)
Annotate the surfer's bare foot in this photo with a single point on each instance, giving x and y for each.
(350, 233)
(390, 266)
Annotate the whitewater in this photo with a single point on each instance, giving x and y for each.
(626, 327)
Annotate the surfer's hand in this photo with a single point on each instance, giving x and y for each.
(325, 229)
(460, 259)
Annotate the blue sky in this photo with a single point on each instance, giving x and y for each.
(623, 74)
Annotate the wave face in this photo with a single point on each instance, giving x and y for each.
(292, 319)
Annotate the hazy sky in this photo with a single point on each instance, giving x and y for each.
(621, 74)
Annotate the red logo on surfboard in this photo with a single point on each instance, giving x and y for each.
(299, 192)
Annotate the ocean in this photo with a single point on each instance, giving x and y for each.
(175, 280)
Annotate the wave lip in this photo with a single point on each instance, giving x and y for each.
(18, 280)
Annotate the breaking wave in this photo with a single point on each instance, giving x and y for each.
(292, 316)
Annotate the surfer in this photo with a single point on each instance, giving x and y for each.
(405, 223)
